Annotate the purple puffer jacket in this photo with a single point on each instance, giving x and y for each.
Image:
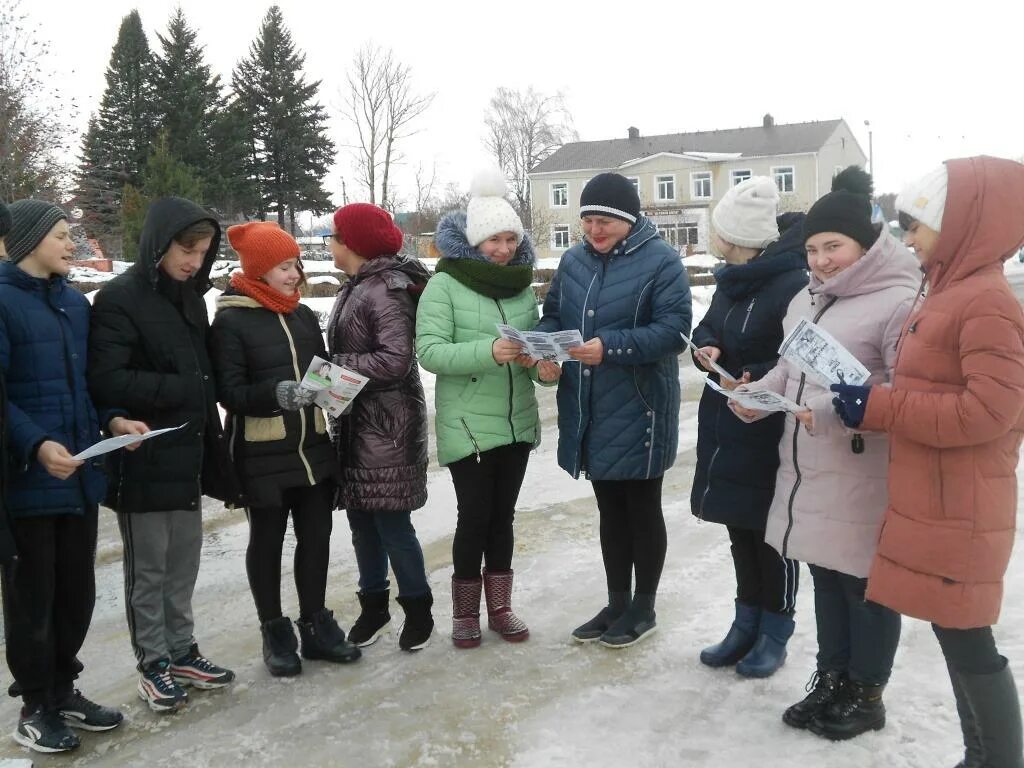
(382, 440)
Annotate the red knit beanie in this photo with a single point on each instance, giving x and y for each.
(261, 246)
(368, 230)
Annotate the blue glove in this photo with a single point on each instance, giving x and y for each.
(850, 403)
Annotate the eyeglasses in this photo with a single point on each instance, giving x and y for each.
(336, 237)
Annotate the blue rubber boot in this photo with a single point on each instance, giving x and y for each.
(769, 652)
(738, 640)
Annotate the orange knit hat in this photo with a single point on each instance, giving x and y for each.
(261, 246)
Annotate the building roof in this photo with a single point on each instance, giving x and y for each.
(758, 141)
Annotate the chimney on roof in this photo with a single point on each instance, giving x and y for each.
(634, 133)
(768, 121)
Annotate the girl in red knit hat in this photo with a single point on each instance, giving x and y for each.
(262, 341)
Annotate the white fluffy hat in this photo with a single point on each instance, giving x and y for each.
(745, 215)
(925, 199)
(488, 212)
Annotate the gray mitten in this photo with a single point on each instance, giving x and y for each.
(292, 397)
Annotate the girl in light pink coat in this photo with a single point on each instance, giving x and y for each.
(830, 492)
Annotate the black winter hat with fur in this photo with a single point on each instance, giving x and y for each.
(846, 209)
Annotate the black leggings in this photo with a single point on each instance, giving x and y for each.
(632, 533)
(764, 578)
(970, 651)
(312, 509)
(487, 491)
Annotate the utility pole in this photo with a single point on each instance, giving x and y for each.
(871, 150)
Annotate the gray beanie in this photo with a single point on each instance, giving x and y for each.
(31, 221)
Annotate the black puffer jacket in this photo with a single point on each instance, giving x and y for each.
(736, 462)
(148, 356)
(382, 440)
(8, 551)
(254, 348)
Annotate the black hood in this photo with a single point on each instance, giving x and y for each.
(165, 218)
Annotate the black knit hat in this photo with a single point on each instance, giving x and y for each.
(5, 219)
(846, 209)
(31, 221)
(612, 195)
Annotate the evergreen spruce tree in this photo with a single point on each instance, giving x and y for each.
(164, 175)
(289, 151)
(117, 144)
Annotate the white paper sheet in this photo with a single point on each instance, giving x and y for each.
(113, 443)
(758, 399)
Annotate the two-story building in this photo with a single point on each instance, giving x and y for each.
(681, 176)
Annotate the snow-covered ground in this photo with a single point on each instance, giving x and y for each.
(546, 702)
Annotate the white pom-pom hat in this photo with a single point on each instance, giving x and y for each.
(488, 212)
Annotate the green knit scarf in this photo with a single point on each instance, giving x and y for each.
(488, 279)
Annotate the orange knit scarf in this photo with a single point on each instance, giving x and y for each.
(273, 300)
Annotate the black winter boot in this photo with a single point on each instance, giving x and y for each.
(374, 619)
(322, 638)
(632, 626)
(993, 699)
(857, 709)
(821, 689)
(738, 640)
(279, 646)
(419, 624)
(974, 757)
(592, 630)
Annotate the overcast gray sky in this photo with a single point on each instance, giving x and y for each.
(935, 80)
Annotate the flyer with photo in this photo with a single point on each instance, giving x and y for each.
(335, 387)
(539, 345)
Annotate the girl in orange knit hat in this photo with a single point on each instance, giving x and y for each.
(263, 340)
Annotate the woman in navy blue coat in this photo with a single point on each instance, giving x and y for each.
(734, 482)
(52, 497)
(625, 290)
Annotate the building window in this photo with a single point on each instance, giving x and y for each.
(740, 175)
(559, 238)
(664, 188)
(701, 182)
(784, 179)
(692, 237)
(636, 184)
(560, 195)
(679, 235)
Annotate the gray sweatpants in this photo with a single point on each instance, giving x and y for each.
(161, 564)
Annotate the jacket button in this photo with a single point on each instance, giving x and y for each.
(618, 351)
(586, 371)
(647, 444)
(648, 430)
(590, 313)
(206, 378)
(650, 414)
(74, 355)
(629, 351)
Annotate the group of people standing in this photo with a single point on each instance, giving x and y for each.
(899, 493)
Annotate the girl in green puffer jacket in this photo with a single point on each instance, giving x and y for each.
(486, 411)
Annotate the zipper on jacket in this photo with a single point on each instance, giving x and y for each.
(302, 411)
(747, 318)
(796, 435)
(511, 385)
(718, 413)
(202, 435)
(579, 386)
(476, 446)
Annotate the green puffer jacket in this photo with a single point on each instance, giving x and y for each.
(479, 404)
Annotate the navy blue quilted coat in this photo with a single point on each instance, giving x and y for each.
(619, 420)
(44, 334)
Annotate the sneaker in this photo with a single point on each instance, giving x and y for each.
(43, 730)
(78, 712)
(158, 689)
(195, 669)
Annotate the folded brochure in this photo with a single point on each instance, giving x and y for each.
(336, 387)
(758, 399)
(540, 345)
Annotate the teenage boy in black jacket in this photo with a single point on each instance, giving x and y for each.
(148, 356)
